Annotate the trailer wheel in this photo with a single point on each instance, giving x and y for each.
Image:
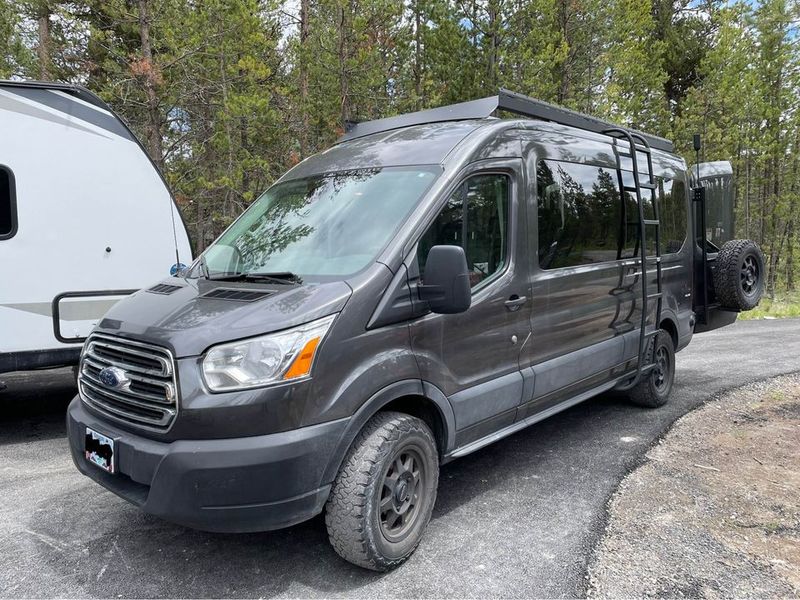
(654, 387)
(739, 275)
(384, 494)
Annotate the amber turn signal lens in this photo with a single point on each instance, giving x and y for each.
(302, 364)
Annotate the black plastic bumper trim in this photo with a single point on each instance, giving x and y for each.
(248, 484)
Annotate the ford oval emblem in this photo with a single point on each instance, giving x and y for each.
(113, 377)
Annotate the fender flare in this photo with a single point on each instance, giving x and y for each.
(668, 314)
(393, 391)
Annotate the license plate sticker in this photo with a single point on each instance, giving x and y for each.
(99, 450)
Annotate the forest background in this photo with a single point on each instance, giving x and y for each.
(227, 94)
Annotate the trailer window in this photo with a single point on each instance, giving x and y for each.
(579, 212)
(8, 204)
(475, 218)
(673, 214)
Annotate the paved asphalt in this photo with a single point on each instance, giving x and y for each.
(519, 518)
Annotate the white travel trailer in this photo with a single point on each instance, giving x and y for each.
(85, 219)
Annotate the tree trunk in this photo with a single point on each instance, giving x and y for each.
(494, 43)
(565, 75)
(344, 87)
(226, 120)
(418, 101)
(44, 44)
(790, 254)
(149, 76)
(303, 68)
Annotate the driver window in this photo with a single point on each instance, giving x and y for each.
(475, 218)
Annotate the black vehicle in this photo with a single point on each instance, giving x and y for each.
(428, 285)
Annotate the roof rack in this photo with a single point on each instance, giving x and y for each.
(504, 100)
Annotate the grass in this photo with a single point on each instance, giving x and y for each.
(785, 305)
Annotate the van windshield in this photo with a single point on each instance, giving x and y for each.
(332, 224)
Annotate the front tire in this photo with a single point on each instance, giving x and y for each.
(654, 388)
(384, 494)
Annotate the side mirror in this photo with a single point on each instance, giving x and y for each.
(445, 284)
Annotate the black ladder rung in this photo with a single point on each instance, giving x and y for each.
(652, 222)
(639, 148)
(642, 186)
(654, 296)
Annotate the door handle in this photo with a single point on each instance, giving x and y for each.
(515, 302)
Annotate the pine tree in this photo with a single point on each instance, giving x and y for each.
(15, 57)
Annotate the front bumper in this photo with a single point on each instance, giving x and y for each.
(244, 484)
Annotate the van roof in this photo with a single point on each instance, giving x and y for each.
(512, 102)
(425, 144)
(430, 136)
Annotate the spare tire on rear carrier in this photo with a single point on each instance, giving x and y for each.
(739, 275)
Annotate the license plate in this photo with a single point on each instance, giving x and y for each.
(99, 450)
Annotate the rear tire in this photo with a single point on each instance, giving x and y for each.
(384, 494)
(654, 388)
(739, 275)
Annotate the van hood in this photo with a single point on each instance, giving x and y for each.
(190, 315)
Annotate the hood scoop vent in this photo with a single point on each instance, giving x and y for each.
(236, 295)
(164, 288)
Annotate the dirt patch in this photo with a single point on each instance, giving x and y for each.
(715, 509)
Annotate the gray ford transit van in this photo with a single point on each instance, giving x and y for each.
(428, 285)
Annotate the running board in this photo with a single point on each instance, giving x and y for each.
(520, 425)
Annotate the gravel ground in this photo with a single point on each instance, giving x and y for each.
(519, 518)
(715, 509)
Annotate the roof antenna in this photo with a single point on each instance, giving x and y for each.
(698, 144)
(179, 266)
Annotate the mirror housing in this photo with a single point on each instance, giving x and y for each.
(445, 285)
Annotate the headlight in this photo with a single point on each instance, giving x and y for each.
(274, 358)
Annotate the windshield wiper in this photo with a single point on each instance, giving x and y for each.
(282, 278)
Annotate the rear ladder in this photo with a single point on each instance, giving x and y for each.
(638, 145)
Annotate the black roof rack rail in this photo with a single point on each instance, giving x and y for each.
(474, 109)
(505, 100)
(69, 88)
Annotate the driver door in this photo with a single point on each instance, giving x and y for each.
(474, 357)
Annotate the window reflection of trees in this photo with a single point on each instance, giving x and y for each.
(483, 234)
(282, 223)
(579, 214)
(672, 214)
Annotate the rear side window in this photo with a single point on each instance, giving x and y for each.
(580, 216)
(672, 214)
(475, 218)
(8, 204)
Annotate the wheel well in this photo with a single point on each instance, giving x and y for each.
(425, 409)
(669, 326)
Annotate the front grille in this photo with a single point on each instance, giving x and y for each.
(145, 392)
